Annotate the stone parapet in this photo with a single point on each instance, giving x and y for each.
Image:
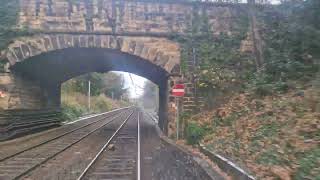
(122, 16)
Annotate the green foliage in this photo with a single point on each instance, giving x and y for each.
(268, 130)
(184, 60)
(74, 94)
(215, 78)
(271, 157)
(309, 164)
(185, 115)
(8, 17)
(81, 83)
(263, 85)
(194, 133)
(71, 112)
(110, 84)
(219, 64)
(292, 42)
(291, 50)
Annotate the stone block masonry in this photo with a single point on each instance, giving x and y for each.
(122, 16)
(19, 93)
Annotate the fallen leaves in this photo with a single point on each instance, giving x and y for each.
(281, 172)
(245, 127)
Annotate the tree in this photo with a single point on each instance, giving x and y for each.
(113, 85)
(81, 83)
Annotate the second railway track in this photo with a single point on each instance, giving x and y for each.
(24, 162)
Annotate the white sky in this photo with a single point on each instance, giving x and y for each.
(135, 88)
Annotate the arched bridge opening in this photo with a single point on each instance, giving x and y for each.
(48, 61)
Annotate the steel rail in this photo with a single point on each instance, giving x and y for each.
(100, 114)
(139, 151)
(103, 149)
(59, 136)
(64, 149)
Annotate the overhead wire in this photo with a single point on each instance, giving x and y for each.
(133, 84)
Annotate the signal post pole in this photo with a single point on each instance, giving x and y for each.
(178, 92)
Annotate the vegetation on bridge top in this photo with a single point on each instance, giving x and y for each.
(8, 18)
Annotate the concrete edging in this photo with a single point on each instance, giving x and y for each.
(227, 166)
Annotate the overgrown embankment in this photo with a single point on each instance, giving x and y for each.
(264, 117)
(274, 136)
(75, 105)
(107, 93)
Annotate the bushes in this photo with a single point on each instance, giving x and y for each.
(72, 112)
(75, 105)
(194, 133)
(269, 89)
(74, 94)
(264, 84)
(101, 104)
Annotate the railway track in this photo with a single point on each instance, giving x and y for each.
(107, 115)
(22, 163)
(119, 158)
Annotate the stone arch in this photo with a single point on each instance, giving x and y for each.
(159, 51)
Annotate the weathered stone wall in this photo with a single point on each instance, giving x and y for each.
(121, 16)
(20, 93)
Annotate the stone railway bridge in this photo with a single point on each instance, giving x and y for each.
(69, 38)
